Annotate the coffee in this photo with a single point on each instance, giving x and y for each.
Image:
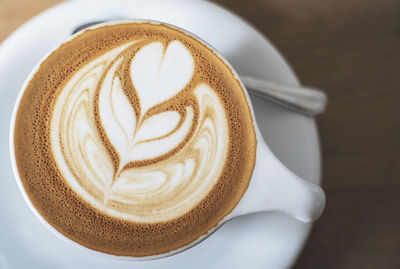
(134, 139)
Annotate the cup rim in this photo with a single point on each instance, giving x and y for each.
(21, 187)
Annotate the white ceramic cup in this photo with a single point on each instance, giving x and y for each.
(273, 187)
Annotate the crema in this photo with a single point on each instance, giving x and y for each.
(134, 139)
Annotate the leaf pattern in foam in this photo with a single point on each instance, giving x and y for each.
(116, 113)
(82, 158)
(159, 74)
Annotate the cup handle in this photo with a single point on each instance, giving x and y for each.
(274, 187)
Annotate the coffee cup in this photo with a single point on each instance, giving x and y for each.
(269, 186)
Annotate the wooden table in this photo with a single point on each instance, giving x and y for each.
(350, 48)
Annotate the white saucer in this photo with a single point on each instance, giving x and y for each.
(267, 240)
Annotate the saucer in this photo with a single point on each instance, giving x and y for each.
(266, 240)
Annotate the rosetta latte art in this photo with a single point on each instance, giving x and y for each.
(133, 136)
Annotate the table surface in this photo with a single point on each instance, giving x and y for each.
(351, 49)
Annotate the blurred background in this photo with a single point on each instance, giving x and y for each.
(351, 49)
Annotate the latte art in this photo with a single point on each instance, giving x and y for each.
(134, 139)
(146, 152)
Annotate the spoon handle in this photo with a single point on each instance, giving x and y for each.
(304, 100)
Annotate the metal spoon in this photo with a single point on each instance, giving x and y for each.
(304, 100)
(308, 101)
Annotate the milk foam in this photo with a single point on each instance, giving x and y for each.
(166, 161)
